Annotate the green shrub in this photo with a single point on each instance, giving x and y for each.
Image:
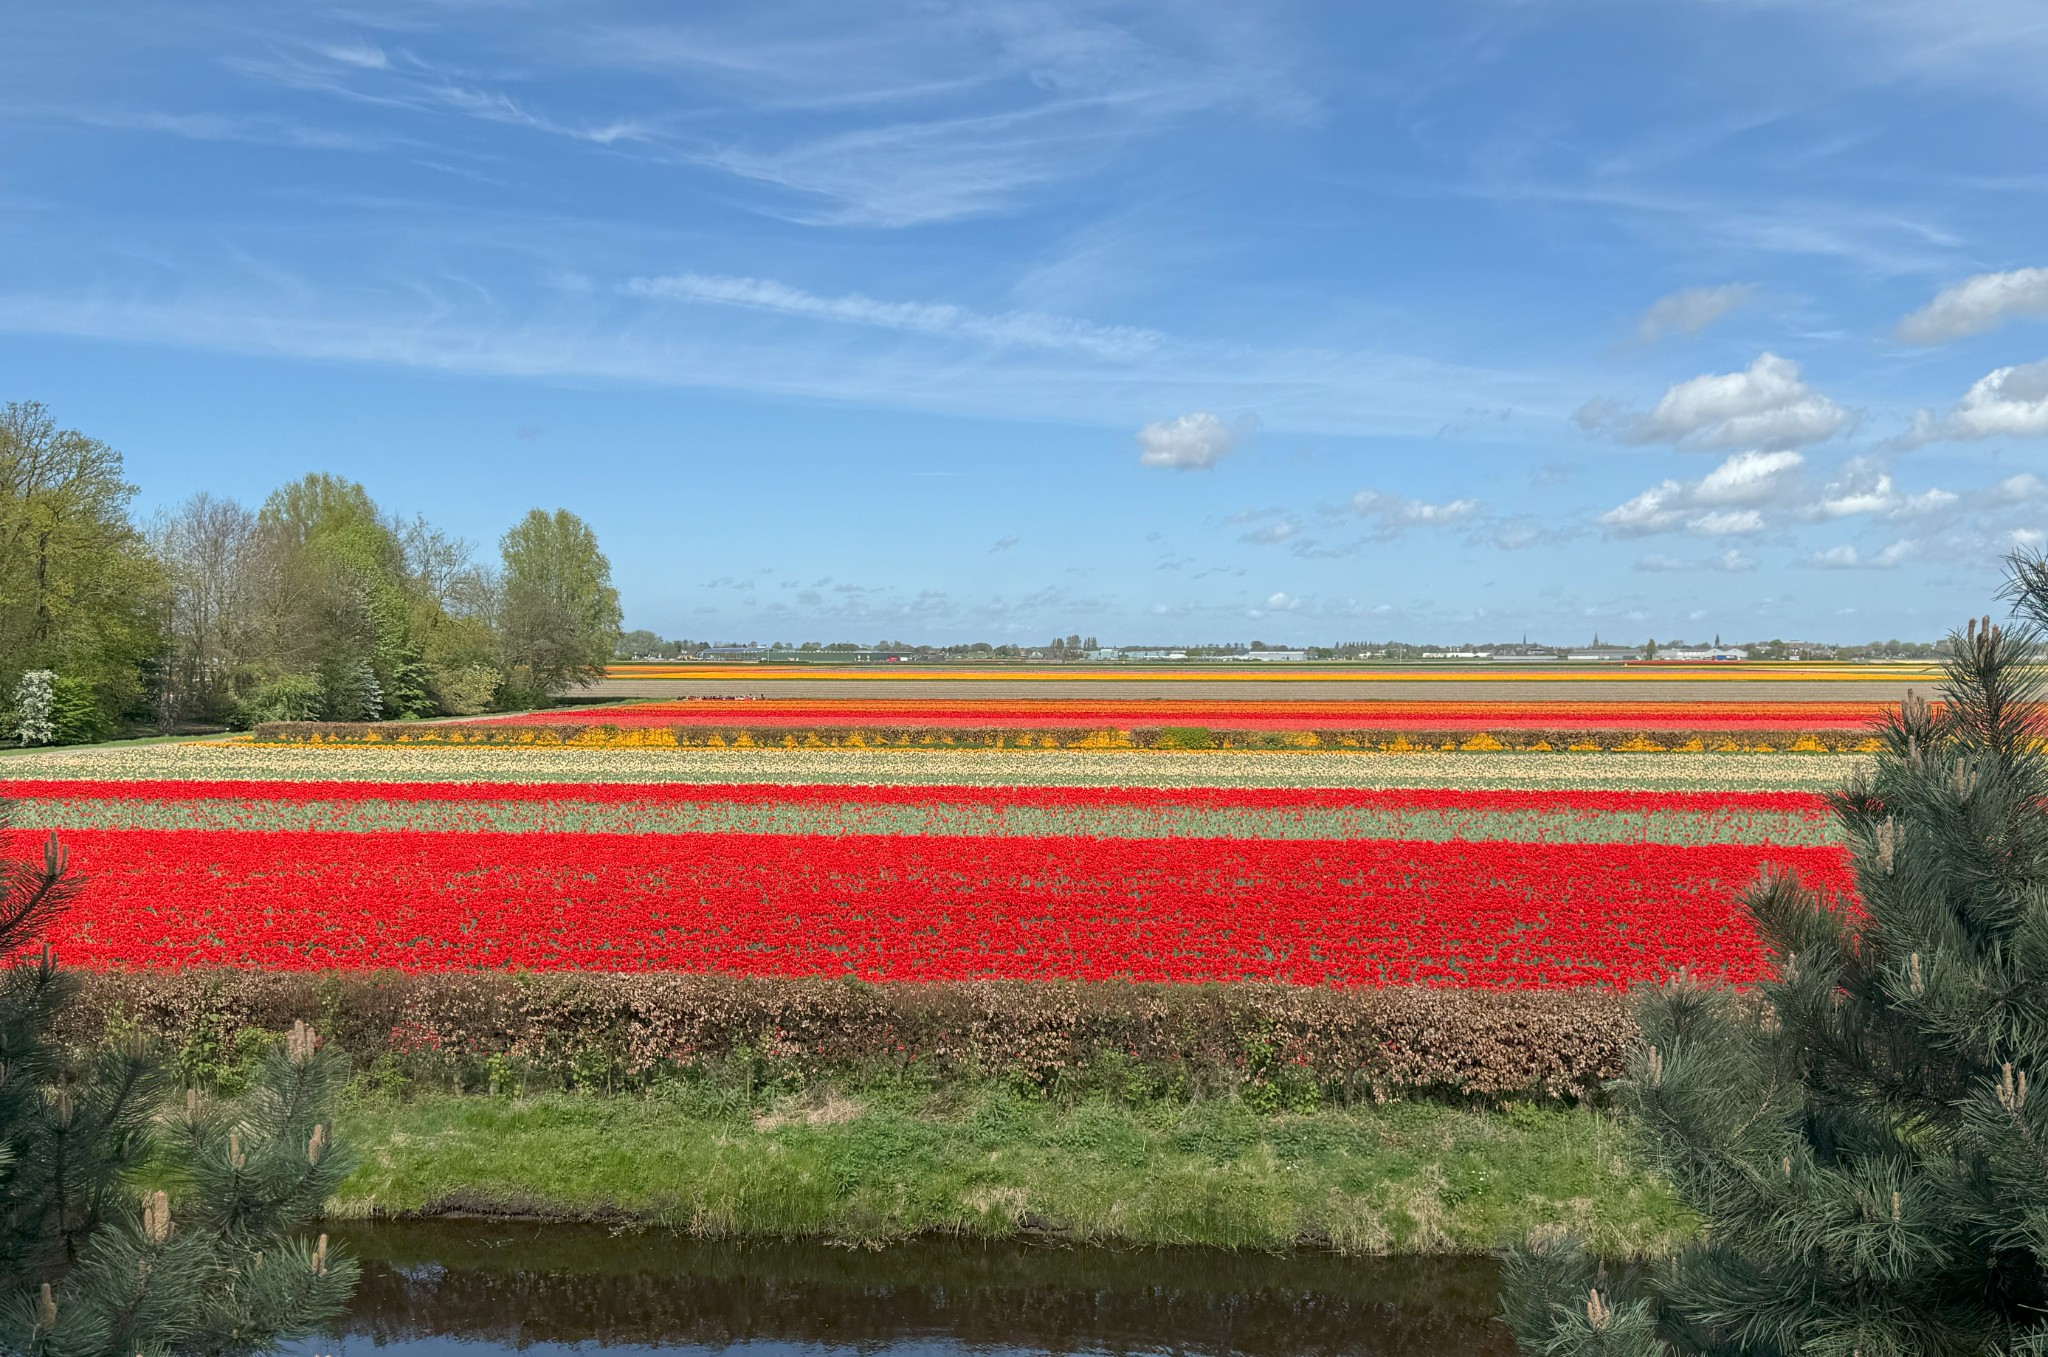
(467, 691)
(290, 697)
(75, 713)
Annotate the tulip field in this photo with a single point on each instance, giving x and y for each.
(1497, 870)
(1228, 715)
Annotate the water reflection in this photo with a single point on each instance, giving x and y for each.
(447, 1286)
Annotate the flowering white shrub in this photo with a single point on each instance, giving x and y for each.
(35, 707)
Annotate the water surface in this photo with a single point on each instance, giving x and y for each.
(433, 1288)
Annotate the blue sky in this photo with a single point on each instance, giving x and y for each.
(1173, 321)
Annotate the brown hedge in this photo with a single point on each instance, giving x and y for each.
(1354, 1044)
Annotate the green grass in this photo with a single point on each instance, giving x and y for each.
(984, 1161)
(116, 742)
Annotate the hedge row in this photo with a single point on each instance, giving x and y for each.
(1354, 1044)
(599, 735)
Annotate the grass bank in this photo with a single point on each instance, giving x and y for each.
(878, 1164)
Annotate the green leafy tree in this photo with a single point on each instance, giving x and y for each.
(94, 1265)
(78, 586)
(1859, 1135)
(559, 614)
(345, 599)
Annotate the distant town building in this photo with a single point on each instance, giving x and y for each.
(845, 656)
(1702, 653)
(1272, 656)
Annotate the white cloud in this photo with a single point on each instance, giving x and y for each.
(1747, 478)
(1190, 442)
(1393, 511)
(1755, 491)
(1272, 534)
(1727, 523)
(1848, 558)
(1731, 561)
(1977, 304)
(1863, 486)
(2010, 402)
(1766, 406)
(361, 55)
(2021, 489)
(1007, 329)
(1691, 310)
(1722, 503)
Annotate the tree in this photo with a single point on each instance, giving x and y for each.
(1858, 1135)
(211, 551)
(77, 584)
(559, 616)
(91, 1265)
(342, 601)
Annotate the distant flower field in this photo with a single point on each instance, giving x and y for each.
(1165, 725)
(1220, 715)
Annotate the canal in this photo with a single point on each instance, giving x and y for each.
(475, 1287)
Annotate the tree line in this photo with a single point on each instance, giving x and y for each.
(317, 604)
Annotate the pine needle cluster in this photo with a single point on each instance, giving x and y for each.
(1864, 1136)
(209, 1258)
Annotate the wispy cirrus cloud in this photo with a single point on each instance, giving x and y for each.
(1031, 329)
(939, 112)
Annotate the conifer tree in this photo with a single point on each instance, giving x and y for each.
(1864, 1136)
(94, 1265)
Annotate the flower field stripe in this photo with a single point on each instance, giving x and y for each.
(1631, 674)
(907, 908)
(224, 760)
(1027, 812)
(937, 817)
(758, 793)
(1127, 714)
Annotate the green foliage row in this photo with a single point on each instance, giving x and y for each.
(318, 605)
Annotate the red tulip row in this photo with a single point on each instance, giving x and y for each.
(1354, 912)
